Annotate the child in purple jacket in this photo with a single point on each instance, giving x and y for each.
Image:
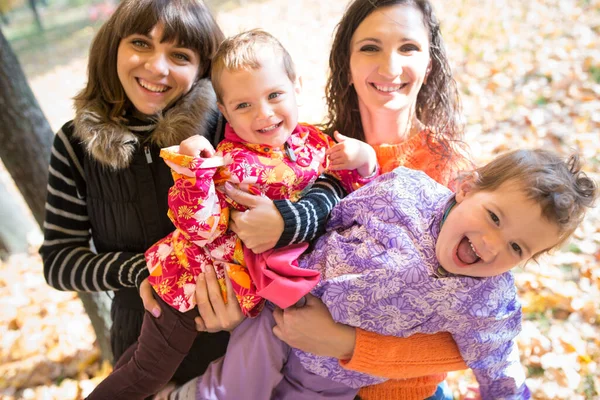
(404, 255)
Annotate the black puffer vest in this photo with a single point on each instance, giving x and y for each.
(127, 185)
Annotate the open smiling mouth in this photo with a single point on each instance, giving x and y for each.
(388, 88)
(154, 88)
(270, 128)
(466, 253)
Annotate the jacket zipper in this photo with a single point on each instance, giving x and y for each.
(289, 152)
(148, 155)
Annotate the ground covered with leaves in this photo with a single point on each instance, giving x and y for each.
(529, 76)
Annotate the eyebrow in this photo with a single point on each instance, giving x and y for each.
(177, 45)
(376, 40)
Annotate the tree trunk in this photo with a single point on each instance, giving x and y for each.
(25, 145)
(16, 224)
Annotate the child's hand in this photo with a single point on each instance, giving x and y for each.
(197, 146)
(352, 154)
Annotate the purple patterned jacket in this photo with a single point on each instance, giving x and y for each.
(379, 273)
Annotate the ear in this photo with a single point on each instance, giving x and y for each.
(466, 186)
(298, 85)
(223, 110)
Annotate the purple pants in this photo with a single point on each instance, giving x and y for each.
(259, 366)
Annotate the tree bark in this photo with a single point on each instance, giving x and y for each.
(25, 145)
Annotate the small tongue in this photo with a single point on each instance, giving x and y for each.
(465, 253)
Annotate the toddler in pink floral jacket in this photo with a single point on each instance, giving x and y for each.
(265, 151)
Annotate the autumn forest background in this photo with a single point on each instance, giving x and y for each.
(529, 76)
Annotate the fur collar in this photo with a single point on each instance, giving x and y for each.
(111, 144)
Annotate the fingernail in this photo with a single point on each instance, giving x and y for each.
(156, 312)
(228, 186)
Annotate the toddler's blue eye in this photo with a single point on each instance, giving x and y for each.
(242, 105)
(274, 95)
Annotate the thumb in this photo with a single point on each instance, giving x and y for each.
(150, 304)
(339, 137)
(240, 197)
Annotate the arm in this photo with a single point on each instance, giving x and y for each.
(194, 205)
(312, 329)
(69, 263)
(282, 222)
(403, 358)
(305, 220)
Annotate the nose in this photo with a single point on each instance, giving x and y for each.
(265, 111)
(158, 65)
(492, 243)
(391, 65)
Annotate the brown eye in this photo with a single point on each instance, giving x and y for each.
(517, 249)
(494, 218)
(140, 43)
(369, 48)
(407, 48)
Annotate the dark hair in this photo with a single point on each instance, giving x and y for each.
(187, 22)
(437, 105)
(239, 52)
(563, 191)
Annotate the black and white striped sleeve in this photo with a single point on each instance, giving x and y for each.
(305, 220)
(69, 263)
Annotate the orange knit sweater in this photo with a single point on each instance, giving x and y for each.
(409, 362)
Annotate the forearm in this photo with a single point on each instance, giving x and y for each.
(403, 358)
(78, 268)
(306, 219)
(194, 205)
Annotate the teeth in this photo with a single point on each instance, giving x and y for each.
(151, 87)
(388, 89)
(473, 248)
(269, 128)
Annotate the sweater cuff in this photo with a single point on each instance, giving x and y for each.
(402, 358)
(290, 222)
(361, 358)
(133, 271)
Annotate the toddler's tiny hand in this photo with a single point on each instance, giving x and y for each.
(351, 153)
(196, 146)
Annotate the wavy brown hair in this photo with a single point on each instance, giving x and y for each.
(187, 22)
(438, 106)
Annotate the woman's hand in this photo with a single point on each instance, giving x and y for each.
(261, 226)
(312, 329)
(196, 146)
(215, 315)
(150, 303)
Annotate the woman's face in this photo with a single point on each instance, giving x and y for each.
(155, 74)
(389, 58)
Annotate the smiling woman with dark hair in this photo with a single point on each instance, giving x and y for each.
(389, 85)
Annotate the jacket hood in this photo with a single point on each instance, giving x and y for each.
(112, 144)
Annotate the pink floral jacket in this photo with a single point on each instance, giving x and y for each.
(200, 210)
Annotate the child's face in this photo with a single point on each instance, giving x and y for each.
(490, 232)
(260, 104)
(155, 74)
